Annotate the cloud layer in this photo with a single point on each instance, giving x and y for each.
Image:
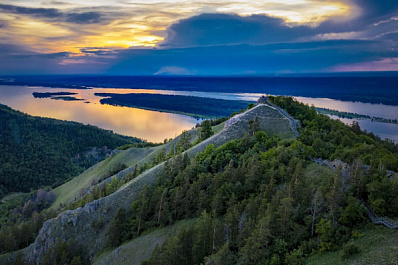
(198, 37)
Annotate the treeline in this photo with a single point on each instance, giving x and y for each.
(350, 115)
(37, 152)
(197, 107)
(255, 201)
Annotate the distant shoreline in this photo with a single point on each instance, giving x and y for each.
(350, 115)
(366, 89)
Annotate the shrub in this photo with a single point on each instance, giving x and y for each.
(348, 250)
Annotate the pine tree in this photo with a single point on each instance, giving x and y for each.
(205, 130)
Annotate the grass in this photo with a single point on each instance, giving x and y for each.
(138, 249)
(67, 192)
(106, 207)
(379, 245)
(218, 128)
(317, 174)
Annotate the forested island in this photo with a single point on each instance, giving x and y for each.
(67, 96)
(350, 115)
(51, 94)
(197, 107)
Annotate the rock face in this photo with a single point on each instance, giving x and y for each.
(76, 224)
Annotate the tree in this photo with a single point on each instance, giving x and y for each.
(116, 228)
(315, 208)
(354, 213)
(355, 127)
(205, 130)
(254, 125)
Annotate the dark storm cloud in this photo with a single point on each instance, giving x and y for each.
(374, 9)
(255, 59)
(13, 50)
(36, 12)
(376, 18)
(99, 51)
(298, 57)
(216, 29)
(84, 18)
(223, 44)
(54, 14)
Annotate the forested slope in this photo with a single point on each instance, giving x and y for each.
(249, 194)
(87, 226)
(37, 152)
(259, 200)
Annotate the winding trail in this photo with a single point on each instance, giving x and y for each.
(388, 222)
(382, 220)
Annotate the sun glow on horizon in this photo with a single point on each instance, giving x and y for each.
(144, 23)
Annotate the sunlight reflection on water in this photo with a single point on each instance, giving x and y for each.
(156, 126)
(150, 125)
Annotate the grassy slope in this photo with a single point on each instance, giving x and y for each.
(270, 121)
(138, 249)
(379, 245)
(67, 192)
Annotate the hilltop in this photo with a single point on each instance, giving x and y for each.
(76, 224)
(249, 194)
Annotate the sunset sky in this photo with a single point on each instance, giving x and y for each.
(197, 37)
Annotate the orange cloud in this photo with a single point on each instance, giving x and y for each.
(139, 23)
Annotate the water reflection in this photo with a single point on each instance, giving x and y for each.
(373, 110)
(151, 125)
(384, 130)
(155, 126)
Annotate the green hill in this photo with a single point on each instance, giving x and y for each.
(37, 152)
(71, 190)
(105, 208)
(139, 249)
(249, 194)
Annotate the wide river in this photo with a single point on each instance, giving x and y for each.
(156, 126)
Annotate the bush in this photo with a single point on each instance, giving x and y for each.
(348, 250)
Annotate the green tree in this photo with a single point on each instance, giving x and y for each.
(205, 130)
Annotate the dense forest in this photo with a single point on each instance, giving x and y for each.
(37, 152)
(259, 200)
(24, 214)
(193, 106)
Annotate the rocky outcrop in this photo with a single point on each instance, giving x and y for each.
(77, 224)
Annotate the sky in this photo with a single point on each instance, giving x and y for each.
(197, 37)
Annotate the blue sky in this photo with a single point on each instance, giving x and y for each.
(175, 37)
